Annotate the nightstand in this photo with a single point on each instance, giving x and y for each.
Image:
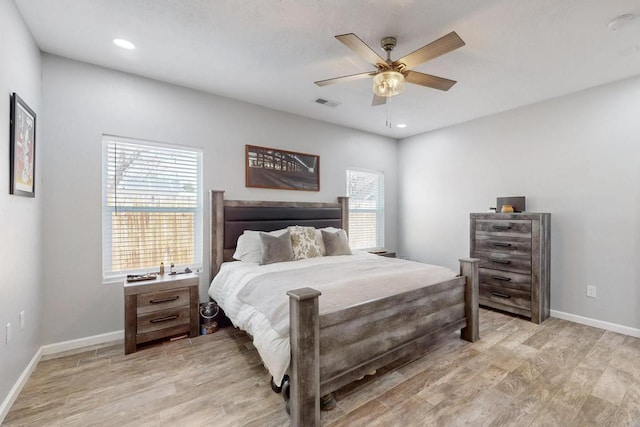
(160, 308)
(385, 254)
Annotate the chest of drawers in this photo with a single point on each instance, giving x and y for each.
(514, 261)
(160, 308)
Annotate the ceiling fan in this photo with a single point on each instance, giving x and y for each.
(390, 76)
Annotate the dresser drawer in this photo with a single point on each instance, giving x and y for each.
(504, 262)
(163, 319)
(505, 296)
(155, 301)
(505, 245)
(502, 227)
(505, 279)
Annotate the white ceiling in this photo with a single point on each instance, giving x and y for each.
(269, 52)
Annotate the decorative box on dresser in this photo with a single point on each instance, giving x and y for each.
(514, 253)
(160, 308)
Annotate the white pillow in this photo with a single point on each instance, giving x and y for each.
(249, 246)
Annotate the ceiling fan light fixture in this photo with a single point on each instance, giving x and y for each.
(388, 83)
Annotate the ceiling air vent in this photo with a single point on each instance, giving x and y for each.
(326, 102)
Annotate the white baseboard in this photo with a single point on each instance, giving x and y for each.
(48, 349)
(613, 327)
(17, 387)
(63, 346)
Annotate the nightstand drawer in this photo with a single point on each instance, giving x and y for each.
(505, 245)
(505, 279)
(155, 301)
(504, 262)
(501, 227)
(163, 319)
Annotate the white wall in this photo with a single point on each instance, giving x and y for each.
(577, 157)
(82, 102)
(20, 234)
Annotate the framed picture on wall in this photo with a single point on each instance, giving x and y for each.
(281, 169)
(23, 148)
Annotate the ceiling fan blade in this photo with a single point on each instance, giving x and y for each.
(428, 80)
(378, 100)
(444, 44)
(345, 78)
(354, 43)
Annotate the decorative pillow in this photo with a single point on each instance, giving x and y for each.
(275, 248)
(304, 243)
(249, 247)
(336, 243)
(323, 250)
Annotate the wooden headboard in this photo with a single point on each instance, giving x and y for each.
(230, 218)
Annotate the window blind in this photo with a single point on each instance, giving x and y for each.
(366, 209)
(152, 206)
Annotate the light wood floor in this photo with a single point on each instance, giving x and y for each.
(519, 373)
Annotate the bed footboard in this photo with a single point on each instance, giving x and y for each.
(332, 350)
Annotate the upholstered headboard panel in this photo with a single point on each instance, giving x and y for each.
(237, 219)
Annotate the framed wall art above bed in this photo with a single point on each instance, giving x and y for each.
(281, 169)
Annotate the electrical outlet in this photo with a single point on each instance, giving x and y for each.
(8, 333)
(591, 291)
(22, 320)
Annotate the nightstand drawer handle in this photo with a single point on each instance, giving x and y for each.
(164, 319)
(498, 294)
(161, 300)
(500, 261)
(502, 245)
(501, 227)
(504, 279)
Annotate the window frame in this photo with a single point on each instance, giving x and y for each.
(380, 211)
(110, 276)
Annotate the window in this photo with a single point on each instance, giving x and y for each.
(366, 209)
(152, 207)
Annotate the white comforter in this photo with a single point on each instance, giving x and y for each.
(254, 296)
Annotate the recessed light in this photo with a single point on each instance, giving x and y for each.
(125, 44)
(401, 125)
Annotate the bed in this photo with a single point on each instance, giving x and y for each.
(332, 345)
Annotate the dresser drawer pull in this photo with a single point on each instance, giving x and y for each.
(161, 300)
(504, 279)
(498, 294)
(502, 245)
(501, 227)
(164, 319)
(500, 261)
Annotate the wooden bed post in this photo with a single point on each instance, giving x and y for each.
(469, 269)
(304, 329)
(216, 199)
(344, 212)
